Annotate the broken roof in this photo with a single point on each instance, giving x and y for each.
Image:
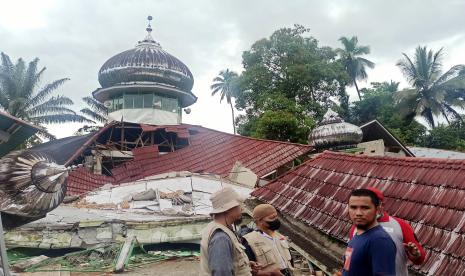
(165, 208)
(198, 150)
(13, 132)
(428, 193)
(437, 153)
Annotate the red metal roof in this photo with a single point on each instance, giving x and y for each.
(212, 151)
(209, 151)
(429, 193)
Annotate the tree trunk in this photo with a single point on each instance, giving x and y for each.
(232, 112)
(358, 91)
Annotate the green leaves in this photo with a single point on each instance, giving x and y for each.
(433, 94)
(288, 78)
(352, 62)
(20, 98)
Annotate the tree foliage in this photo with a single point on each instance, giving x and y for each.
(21, 96)
(226, 84)
(354, 64)
(96, 113)
(378, 103)
(290, 70)
(432, 94)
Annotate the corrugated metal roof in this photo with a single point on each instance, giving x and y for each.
(429, 193)
(17, 130)
(437, 153)
(209, 151)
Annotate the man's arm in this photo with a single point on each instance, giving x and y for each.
(220, 254)
(409, 238)
(383, 256)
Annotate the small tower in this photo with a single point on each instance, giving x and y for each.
(333, 132)
(145, 85)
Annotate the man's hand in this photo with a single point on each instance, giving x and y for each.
(337, 273)
(412, 250)
(255, 267)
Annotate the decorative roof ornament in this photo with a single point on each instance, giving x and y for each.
(333, 131)
(31, 185)
(148, 40)
(147, 63)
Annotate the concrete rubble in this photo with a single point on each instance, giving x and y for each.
(166, 208)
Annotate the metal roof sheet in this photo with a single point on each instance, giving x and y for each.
(16, 132)
(428, 193)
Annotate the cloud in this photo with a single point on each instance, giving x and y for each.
(73, 38)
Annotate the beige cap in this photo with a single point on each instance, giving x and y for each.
(225, 199)
(263, 210)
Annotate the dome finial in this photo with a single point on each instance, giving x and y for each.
(149, 39)
(149, 27)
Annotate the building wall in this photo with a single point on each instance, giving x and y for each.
(146, 116)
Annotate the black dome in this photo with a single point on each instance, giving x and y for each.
(147, 63)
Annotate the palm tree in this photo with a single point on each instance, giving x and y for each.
(432, 94)
(21, 97)
(353, 63)
(226, 84)
(96, 112)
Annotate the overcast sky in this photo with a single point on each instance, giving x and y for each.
(73, 38)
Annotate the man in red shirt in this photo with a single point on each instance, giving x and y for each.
(408, 247)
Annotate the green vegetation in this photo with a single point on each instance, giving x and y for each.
(432, 94)
(353, 63)
(21, 96)
(226, 84)
(289, 81)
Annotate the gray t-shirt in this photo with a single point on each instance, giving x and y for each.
(220, 254)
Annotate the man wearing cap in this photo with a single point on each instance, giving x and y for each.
(266, 246)
(221, 253)
(408, 247)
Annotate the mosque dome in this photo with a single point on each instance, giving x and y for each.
(332, 131)
(143, 68)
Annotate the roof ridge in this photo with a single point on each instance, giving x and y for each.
(392, 158)
(252, 138)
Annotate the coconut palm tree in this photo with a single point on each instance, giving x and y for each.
(96, 112)
(21, 96)
(353, 63)
(226, 84)
(432, 94)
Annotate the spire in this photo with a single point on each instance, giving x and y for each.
(148, 40)
(149, 27)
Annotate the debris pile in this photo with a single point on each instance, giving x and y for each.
(100, 259)
(175, 203)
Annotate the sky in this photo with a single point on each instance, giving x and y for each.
(73, 38)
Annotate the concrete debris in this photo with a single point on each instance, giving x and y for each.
(150, 194)
(23, 265)
(124, 254)
(69, 199)
(83, 203)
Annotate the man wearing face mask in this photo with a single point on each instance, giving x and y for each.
(221, 253)
(266, 246)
